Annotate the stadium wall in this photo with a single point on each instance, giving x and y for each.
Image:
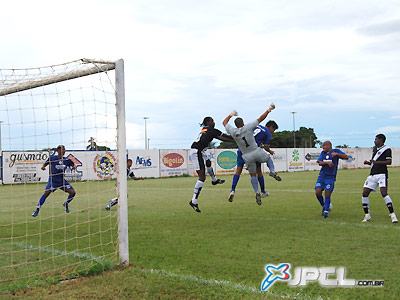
(25, 166)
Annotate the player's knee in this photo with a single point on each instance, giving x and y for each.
(208, 163)
(72, 193)
(202, 178)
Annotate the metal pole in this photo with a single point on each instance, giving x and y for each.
(294, 131)
(145, 133)
(0, 137)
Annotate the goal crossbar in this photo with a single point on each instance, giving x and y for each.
(99, 67)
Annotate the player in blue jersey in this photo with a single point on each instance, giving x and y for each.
(328, 160)
(58, 163)
(263, 137)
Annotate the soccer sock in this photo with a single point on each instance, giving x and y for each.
(41, 201)
(70, 198)
(197, 190)
(327, 203)
(271, 166)
(210, 172)
(389, 203)
(262, 184)
(113, 201)
(321, 200)
(365, 203)
(254, 183)
(235, 182)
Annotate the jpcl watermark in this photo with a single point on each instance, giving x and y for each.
(304, 275)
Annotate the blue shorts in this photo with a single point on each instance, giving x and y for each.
(240, 161)
(53, 185)
(327, 184)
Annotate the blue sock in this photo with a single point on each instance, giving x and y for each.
(262, 184)
(321, 200)
(41, 201)
(254, 183)
(271, 166)
(70, 198)
(235, 182)
(327, 203)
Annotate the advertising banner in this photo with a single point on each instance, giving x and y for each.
(173, 162)
(310, 159)
(145, 163)
(295, 159)
(24, 166)
(351, 163)
(226, 160)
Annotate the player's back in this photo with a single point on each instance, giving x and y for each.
(244, 137)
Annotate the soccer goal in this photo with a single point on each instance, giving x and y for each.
(81, 106)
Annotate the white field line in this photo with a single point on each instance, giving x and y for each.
(164, 273)
(289, 220)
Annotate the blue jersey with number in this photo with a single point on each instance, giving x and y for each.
(326, 170)
(57, 167)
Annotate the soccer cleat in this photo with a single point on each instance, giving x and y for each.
(276, 176)
(394, 218)
(258, 198)
(264, 194)
(367, 218)
(35, 213)
(108, 207)
(325, 214)
(194, 206)
(65, 204)
(330, 206)
(218, 181)
(231, 195)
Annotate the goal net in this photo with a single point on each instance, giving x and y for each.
(80, 105)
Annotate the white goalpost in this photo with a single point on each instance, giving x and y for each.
(80, 105)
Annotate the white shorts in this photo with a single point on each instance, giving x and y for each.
(198, 158)
(257, 156)
(373, 181)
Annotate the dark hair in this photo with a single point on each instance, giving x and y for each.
(381, 137)
(206, 120)
(273, 124)
(129, 160)
(239, 122)
(59, 148)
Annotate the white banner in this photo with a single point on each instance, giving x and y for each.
(295, 159)
(24, 166)
(145, 163)
(173, 162)
(226, 161)
(310, 159)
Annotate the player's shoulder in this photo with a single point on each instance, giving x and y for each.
(337, 150)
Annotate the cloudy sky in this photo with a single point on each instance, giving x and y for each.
(335, 63)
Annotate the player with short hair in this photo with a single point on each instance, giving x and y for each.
(58, 163)
(200, 160)
(262, 136)
(381, 158)
(329, 161)
(251, 152)
(129, 174)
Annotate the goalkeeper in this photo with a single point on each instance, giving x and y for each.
(130, 174)
(58, 163)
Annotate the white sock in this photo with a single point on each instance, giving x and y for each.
(197, 189)
(387, 199)
(210, 172)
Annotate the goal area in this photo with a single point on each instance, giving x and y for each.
(79, 105)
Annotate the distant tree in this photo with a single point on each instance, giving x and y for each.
(305, 138)
(227, 145)
(343, 146)
(93, 145)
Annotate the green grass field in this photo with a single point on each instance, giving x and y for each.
(221, 253)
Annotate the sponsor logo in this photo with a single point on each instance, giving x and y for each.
(26, 157)
(312, 156)
(25, 177)
(142, 162)
(74, 174)
(304, 275)
(227, 160)
(295, 155)
(173, 160)
(105, 165)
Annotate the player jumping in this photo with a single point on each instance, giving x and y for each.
(199, 158)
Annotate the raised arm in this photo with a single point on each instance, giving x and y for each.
(264, 115)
